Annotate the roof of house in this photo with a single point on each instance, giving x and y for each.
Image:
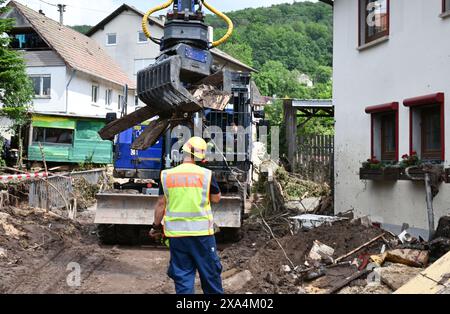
(78, 51)
(117, 12)
(158, 22)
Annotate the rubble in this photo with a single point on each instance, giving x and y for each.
(29, 236)
(408, 257)
(3, 253)
(378, 289)
(265, 260)
(396, 275)
(433, 280)
(443, 230)
(321, 252)
(237, 282)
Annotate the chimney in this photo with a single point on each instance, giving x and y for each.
(41, 12)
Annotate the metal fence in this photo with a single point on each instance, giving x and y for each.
(60, 189)
(315, 157)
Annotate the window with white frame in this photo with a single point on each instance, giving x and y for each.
(120, 102)
(42, 85)
(373, 20)
(111, 39)
(108, 97)
(140, 64)
(141, 37)
(94, 94)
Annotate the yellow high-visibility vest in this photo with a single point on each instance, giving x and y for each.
(188, 207)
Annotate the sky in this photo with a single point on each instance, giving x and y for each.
(90, 12)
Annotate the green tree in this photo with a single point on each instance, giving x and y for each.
(83, 29)
(16, 90)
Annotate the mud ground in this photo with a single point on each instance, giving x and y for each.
(39, 250)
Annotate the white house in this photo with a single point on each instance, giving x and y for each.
(71, 73)
(120, 35)
(76, 83)
(392, 97)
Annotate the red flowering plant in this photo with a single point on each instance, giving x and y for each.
(410, 160)
(372, 163)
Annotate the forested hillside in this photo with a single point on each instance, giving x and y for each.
(281, 42)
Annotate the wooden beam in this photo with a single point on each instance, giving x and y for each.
(129, 121)
(290, 117)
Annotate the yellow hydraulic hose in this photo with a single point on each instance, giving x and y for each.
(226, 19)
(145, 27)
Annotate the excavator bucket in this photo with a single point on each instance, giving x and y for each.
(160, 87)
(139, 209)
(125, 209)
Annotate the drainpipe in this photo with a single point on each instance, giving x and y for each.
(74, 72)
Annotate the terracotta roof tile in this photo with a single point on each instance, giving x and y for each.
(77, 50)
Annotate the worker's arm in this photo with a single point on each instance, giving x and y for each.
(159, 210)
(156, 230)
(214, 191)
(215, 198)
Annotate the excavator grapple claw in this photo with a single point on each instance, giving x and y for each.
(159, 87)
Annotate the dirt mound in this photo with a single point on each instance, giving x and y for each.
(28, 237)
(262, 255)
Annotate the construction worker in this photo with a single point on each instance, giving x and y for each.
(185, 208)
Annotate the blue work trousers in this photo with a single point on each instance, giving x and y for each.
(189, 254)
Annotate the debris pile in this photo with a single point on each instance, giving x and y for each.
(343, 256)
(29, 236)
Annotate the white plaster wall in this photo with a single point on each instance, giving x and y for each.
(80, 100)
(57, 101)
(414, 61)
(126, 26)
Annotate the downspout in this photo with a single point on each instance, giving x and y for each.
(74, 72)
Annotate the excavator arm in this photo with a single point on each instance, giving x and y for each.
(183, 79)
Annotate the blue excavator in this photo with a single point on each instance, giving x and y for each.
(183, 88)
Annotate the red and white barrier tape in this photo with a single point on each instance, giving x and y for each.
(23, 177)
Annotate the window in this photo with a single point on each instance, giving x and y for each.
(431, 133)
(374, 20)
(94, 94)
(52, 136)
(140, 64)
(108, 97)
(42, 85)
(384, 131)
(111, 39)
(388, 141)
(427, 126)
(445, 6)
(120, 102)
(28, 41)
(142, 38)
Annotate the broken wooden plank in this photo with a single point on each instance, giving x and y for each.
(359, 248)
(128, 121)
(210, 97)
(151, 134)
(348, 280)
(433, 280)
